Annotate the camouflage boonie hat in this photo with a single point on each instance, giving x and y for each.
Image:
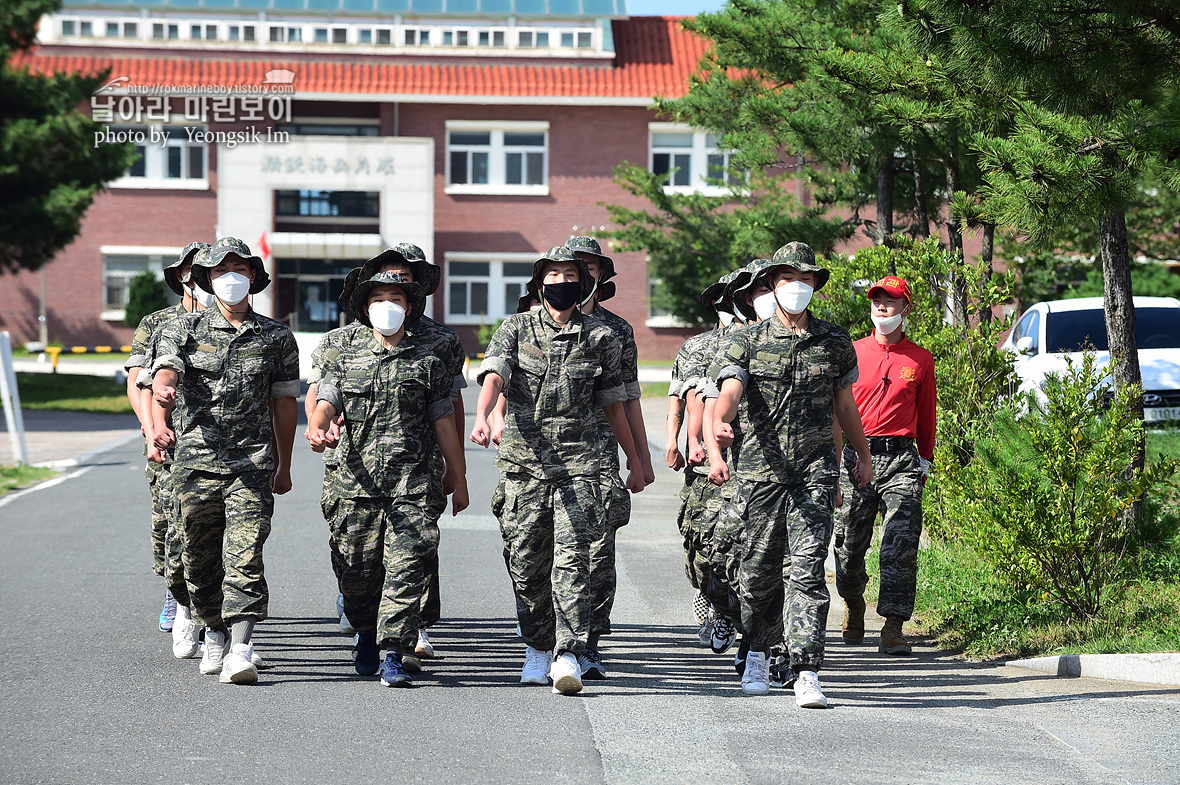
(802, 258)
(345, 298)
(741, 285)
(524, 303)
(172, 271)
(585, 246)
(606, 290)
(360, 297)
(559, 253)
(425, 274)
(714, 291)
(224, 247)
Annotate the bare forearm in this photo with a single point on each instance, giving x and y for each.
(459, 416)
(634, 412)
(309, 402)
(622, 432)
(488, 393)
(321, 416)
(675, 419)
(452, 451)
(284, 416)
(696, 415)
(135, 396)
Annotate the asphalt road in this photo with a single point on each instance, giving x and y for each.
(91, 693)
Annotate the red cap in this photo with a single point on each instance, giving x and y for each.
(892, 286)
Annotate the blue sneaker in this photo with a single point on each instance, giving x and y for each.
(393, 674)
(168, 612)
(368, 655)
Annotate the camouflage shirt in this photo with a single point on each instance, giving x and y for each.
(389, 398)
(227, 376)
(328, 351)
(630, 374)
(144, 332)
(442, 342)
(556, 377)
(790, 383)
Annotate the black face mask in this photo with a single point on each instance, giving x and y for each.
(562, 295)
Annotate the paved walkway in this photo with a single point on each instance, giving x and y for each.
(59, 438)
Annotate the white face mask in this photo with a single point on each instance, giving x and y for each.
(387, 317)
(887, 324)
(793, 296)
(201, 296)
(231, 288)
(764, 305)
(726, 318)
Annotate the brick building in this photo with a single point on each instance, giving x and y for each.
(484, 131)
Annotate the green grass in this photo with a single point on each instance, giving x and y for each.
(1164, 444)
(653, 389)
(72, 393)
(13, 478)
(656, 363)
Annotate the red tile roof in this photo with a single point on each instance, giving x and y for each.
(653, 56)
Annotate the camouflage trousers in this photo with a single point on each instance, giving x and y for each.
(785, 533)
(164, 494)
(896, 493)
(431, 609)
(548, 527)
(703, 506)
(223, 521)
(156, 475)
(386, 548)
(616, 503)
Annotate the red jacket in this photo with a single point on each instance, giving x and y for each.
(895, 393)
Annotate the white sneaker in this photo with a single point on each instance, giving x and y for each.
(185, 635)
(808, 695)
(705, 635)
(339, 605)
(423, 648)
(566, 674)
(536, 666)
(216, 644)
(238, 667)
(346, 625)
(756, 679)
(254, 658)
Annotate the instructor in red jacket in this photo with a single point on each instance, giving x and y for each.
(896, 396)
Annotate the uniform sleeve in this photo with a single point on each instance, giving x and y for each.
(927, 410)
(734, 360)
(629, 362)
(285, 382)
(143, 379)
(458, 380)
(608, 387)
(327, 389)
(139, 343)
(500, 356)
(846, 370)
(170, 347)
(676, 386)
(439, 404)
(319, 356)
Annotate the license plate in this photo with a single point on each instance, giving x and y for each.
(1158, 413)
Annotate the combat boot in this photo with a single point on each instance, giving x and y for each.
(853, 628)
(892, 641)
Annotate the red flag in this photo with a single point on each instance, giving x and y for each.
(263, 247)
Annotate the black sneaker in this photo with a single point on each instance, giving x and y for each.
(781, 674)
(393, 674)
(739, 659)
(591, 664)
(368, 655)
(724, 635)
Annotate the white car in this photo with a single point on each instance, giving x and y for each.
(1047, 333)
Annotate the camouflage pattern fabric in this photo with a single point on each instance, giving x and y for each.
(548, 527)
(223, 523)
(683, 367)
(144, 333)
(616, 502)
(895, 492)
(227, 378)
(159, 516)
(786, 530)
(385, 547)
(326, 351)
(705, 504)
(790, 383)
(173, 544)
(390, 399)
(555, 378)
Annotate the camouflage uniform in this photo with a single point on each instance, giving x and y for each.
(223, 467)
(616, 500)
(549, 500)
(896, 491)
(382, 532)
(140, 346)
(787, 476)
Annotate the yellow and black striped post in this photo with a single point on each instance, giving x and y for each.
(55, 351)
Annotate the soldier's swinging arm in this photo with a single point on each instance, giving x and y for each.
(724, 410)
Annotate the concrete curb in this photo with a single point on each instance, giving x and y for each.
(69, 463)
(1160, 668)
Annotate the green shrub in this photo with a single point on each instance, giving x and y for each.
(1046, 497)
(145, 295)
(486, 331)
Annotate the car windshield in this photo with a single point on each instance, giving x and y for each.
(1074, 331)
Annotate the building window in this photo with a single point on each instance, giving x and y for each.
(567, 39)
(321, 35)
(158, 31)
(307, 291)
(585, 40)
(455, 37)
(339, 35)
(131, 30)
(693, 160)
(656, 316)
(384, 37)
(528, 39)
(248, 32)
(112, 29)
(417, 37)
(511, 158)
(481, 288)
(344, 204)
(86, 29)
(241, 33)
(117, 272)
(276, 35)
(364, 36)
(491, 38)
(69, 27)
(294, 35)
(173, 32)
(164, 154)
(345, 128)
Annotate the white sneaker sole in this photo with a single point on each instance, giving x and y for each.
(811, 701)
(185, 652)
(567, 685)
(756, 688)
(210, 669)
(247, 675)
(539, 679)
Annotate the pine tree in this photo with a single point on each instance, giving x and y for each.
(50, 168)
(1094, 91)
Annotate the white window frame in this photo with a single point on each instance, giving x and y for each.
(498, 308)
(698, 158)
(154, 260)
(498, 158)
(659, 320)
(156, 161)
